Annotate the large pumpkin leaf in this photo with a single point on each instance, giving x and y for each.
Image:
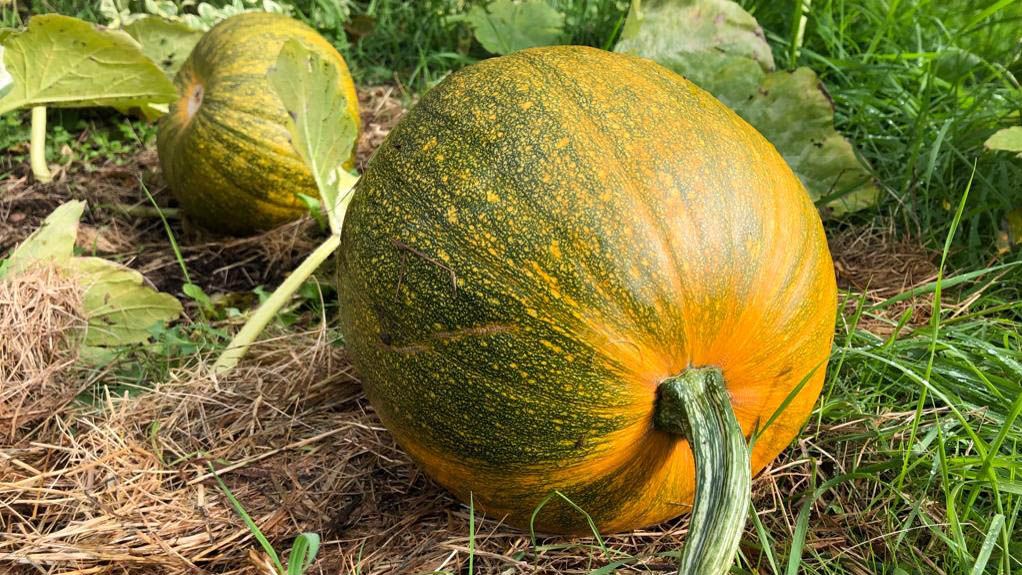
(119, 308)
(66, 62)
(1006, 140)
(322, 132)
(6, 81)
(697, 36)
(165, 42)
(504, 26)
(53, 241)
(720, 47)
(792, 111)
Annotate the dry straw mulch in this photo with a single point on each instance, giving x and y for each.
(40, 319)
(125, 485)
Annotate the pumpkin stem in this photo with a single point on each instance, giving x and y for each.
(696, 405)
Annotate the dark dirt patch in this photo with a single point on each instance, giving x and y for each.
(874, 265)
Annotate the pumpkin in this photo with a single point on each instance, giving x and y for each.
(548, 253)
(224, 146)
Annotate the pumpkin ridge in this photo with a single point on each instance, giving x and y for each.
(655, 224)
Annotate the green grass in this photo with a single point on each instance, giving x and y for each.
(417, 43)
(918, 86)
(936, 479)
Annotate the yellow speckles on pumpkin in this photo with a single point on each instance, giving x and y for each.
(561, 144)
(526, 105)
(429, 145)
(492, 197)
(551, 346)
(444, 178)
(452, 215)
(439, 157)
(555, 249)
(532, 312)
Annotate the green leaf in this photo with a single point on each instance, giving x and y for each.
(166, 43)
(697, 36)
(121, 310)
(796, 115)
(504, 26)
(1006, 140)
(65, 62)
(6, 81)
(720, 47)
(321, 131)
(303, 553)
(54, 240)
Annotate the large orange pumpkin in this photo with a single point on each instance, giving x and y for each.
(546, 239)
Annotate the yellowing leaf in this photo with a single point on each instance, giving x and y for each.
(165, 42)
(720, 47)
(1006, 140)
(65, 62)
(120, 308)
(503, 26)
(53, 241)
(322, 132)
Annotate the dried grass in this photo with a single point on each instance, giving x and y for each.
(874, 263)
(126, 486)
(40, 319)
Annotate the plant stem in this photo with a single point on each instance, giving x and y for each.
(799, 19)
(37, 146)
(266, 312)
(696, 405)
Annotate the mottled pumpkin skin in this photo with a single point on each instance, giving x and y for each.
(224, 147)
(608, 225)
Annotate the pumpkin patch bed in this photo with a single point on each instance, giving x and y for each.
(121, 483)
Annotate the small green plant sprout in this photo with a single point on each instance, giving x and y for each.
(303, 550)
(120, 309)
(60, 61)
(323, 135)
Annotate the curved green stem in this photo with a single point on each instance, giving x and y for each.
(37, 146)
(696, 405)
(268, 310)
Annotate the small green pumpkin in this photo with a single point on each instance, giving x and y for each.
(224, 147)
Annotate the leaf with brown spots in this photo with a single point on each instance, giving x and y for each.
(720, 47)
